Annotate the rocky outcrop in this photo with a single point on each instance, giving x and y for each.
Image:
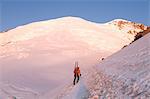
(141, 34)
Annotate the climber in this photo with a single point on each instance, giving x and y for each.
(77, 73)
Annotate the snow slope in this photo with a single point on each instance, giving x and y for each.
(130, 69)
(40, 56)
(123, 75)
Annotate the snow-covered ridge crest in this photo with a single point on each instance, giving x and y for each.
(132, 27)
(40, 55)
(75, 29)
(69, 24)
(36, 29)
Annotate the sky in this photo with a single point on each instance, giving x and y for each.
(14, 13)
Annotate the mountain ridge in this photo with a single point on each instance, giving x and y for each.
(49, 49)
(72, 18)
(77, 22)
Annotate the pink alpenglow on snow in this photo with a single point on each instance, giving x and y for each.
(37, 59)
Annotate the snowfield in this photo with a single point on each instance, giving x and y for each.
(37, 60)
(123, 75)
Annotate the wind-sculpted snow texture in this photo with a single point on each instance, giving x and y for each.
(129, 70)
(124, 75)
(40, 56)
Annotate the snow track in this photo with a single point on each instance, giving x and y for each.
(40, 56)
(124, 75)
(10, 91)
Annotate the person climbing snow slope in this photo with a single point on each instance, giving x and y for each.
(77, 73)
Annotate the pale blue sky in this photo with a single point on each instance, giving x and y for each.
(19, 12)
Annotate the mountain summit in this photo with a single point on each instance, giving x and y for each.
(39, 57)
(71, 24)
(130, 27)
